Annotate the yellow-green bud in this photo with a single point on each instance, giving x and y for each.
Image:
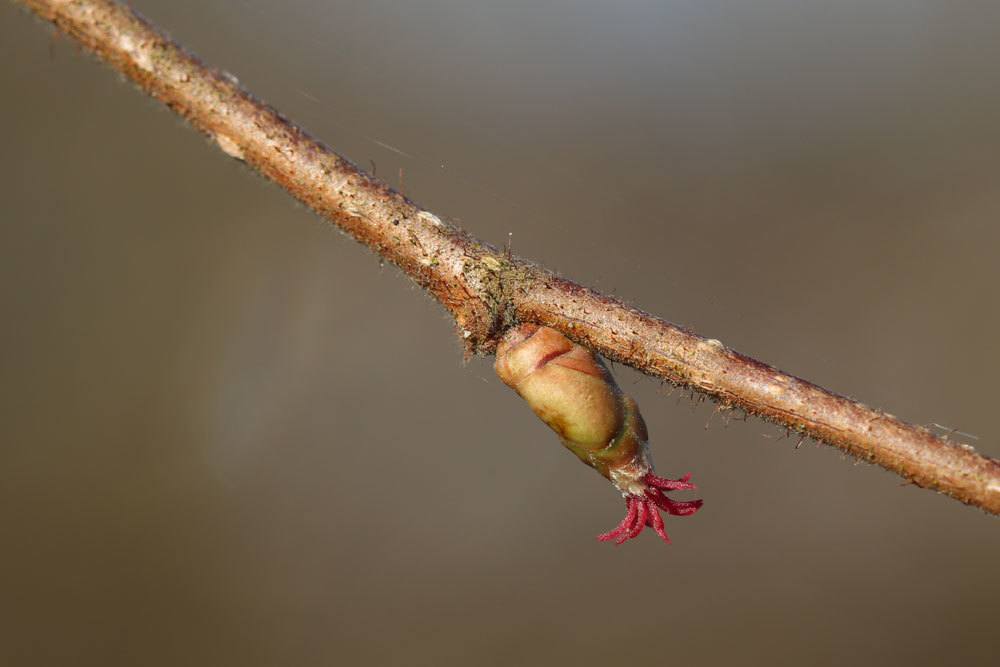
(573, 392)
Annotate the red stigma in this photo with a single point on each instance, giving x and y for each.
(642, 511)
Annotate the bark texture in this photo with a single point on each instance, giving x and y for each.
(485, 289)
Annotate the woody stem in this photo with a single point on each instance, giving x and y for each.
(484, 288)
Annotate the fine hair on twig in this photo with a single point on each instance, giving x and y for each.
(487, 290)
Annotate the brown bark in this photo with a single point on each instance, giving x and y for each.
(486, 290)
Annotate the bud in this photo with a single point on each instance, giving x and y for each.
(573, 392)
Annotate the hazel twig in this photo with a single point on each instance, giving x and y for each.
(488, 290)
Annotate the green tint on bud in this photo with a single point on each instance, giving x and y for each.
(573, 392)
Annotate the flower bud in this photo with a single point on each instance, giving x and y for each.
(573, 392)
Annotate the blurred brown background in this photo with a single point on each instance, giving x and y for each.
(230, 438)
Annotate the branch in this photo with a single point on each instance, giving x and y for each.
(487, 290)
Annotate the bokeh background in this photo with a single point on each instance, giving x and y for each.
(230, 437)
